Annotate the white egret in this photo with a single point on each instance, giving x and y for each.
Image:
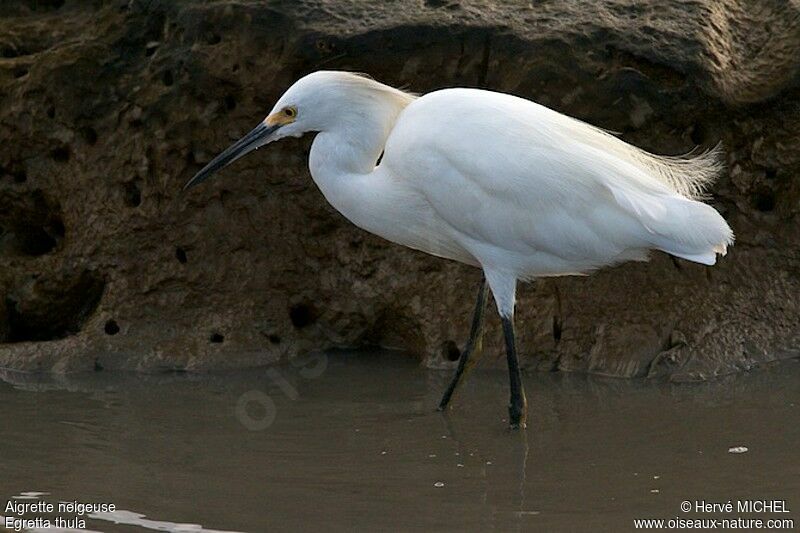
(491, 180)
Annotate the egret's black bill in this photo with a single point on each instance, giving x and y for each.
(245, 145)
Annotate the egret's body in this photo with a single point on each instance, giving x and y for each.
(494, 181)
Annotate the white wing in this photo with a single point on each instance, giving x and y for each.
(512, 178)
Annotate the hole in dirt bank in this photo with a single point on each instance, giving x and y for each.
(302, 315)
(230, 102)
(167, 78)
(764, 201)
(274, 339)
(111, 327)
(46, 5)
(180, 255)
(53, 308)
(699, 134)
(216, 338)
(132, 195)
(89, 135)
(60, 154)
(33, 222)
(34, 241)
(450, 351)
(57, 228)
(557, 328)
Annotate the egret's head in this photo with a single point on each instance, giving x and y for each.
(316, 102)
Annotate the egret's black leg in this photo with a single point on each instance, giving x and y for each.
(517, 404)
(473, 344)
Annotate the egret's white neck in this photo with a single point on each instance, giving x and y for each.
(343, 159)
(353, 144)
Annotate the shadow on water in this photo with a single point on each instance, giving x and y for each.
(353, 442)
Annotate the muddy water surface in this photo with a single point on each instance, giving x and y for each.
(353, 442)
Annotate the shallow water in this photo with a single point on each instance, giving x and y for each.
(353, 442)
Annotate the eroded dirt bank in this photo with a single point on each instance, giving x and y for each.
(108, 109)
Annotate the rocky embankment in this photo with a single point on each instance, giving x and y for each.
(107, 108)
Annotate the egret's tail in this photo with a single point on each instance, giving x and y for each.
(692, 230)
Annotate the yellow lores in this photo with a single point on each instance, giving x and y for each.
(282, 118)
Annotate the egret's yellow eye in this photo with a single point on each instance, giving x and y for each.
(290, 112)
